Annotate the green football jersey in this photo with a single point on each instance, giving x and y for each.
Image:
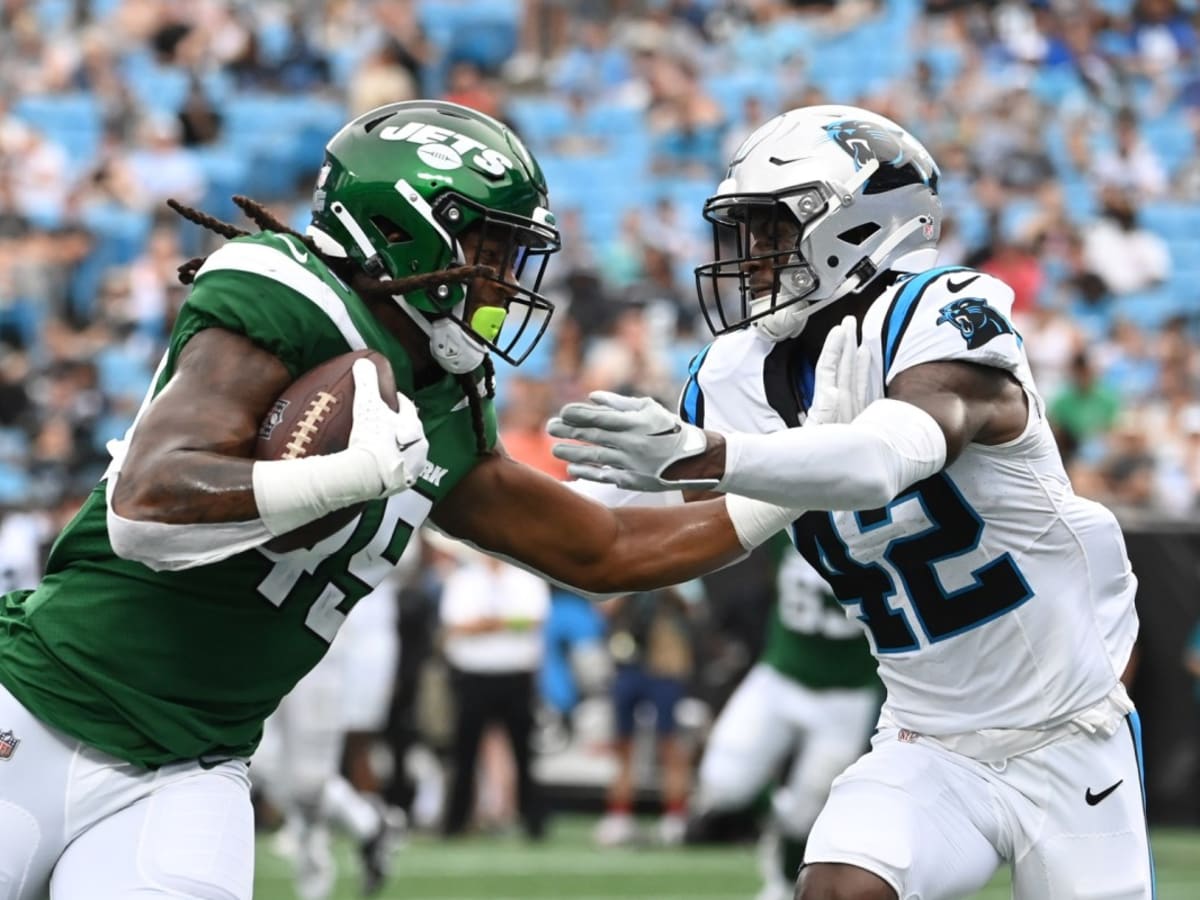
(156, 667)
(809, 637)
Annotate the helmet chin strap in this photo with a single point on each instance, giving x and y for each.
(449, 343)
(789, 322)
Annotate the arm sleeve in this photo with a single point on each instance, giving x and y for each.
(862, 465)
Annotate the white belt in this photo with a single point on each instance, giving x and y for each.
(994, 745)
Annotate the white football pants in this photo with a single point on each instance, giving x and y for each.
(1068, 817)
(82, 825)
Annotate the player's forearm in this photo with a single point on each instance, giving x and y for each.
(654, 548)
(861, 465)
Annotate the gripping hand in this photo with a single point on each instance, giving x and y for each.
(394, 439)
(626, 441)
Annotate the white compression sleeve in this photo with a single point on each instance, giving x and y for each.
(861, 465)
(294, 492)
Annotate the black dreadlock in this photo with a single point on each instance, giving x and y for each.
(363, 284)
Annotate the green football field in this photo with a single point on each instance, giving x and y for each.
(568, 867)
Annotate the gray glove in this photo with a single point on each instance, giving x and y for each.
(629, 442)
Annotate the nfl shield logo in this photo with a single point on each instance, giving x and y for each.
(8, 745)
(905, 736)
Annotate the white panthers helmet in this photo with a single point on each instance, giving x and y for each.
(816, 203)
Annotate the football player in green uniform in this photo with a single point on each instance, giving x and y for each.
(134, 680)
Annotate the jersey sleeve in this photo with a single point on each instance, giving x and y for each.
(955, 314)
(254, 287)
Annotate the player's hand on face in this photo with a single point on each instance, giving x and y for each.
(395, 439)
(841, 378)
(626, 441)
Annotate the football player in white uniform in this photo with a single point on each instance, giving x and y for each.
(998, 603)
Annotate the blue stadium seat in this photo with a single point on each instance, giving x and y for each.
(1171, 220)
(484, 32)
(539, 119)
(1150, 309)
(72, 120)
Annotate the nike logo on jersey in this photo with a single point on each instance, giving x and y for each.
(955, 287)
(1093, 799)
(298, 255)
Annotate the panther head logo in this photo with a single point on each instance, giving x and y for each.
(975, 320)
(865, 141)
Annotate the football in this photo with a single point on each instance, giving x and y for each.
(313, 416)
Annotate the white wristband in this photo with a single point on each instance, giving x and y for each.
(293, 492)
(755, 521)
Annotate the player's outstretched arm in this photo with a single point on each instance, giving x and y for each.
(507, 508)
(932, 412)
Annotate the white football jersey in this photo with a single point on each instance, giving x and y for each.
(993, 596)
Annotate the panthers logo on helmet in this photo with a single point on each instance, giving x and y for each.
(975, 320)
(865, 141)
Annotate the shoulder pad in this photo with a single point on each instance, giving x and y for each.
(950, 313)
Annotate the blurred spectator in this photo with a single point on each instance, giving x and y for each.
(153, 285)
(593, 66)
(492, 614)
(650, 643)
(382, 78)
(302, 66)
(1128, 471)
(528, 404)
(1083, 410)
(41, 182)
(162, 167)
(752, 114)
(1126, 257)
(628, 359)
(1052, 342)
(1131, 166)
(1162, 36)
(1019, 267)
(199, 119)
(468, 85)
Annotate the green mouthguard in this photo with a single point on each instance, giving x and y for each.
(487, 322)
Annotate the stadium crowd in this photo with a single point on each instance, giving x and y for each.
(1065, 131)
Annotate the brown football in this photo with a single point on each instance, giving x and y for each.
(313, 416)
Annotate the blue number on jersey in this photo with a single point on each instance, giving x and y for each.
(955, 528)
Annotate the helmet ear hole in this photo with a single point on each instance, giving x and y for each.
(393, 232)
(859, 233)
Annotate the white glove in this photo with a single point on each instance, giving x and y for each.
(395, 439)
(629, 441)
(841, 378)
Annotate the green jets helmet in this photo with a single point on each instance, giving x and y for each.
(399, 187)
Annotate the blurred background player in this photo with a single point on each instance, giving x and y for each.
(650, 642)
(809, 704)
(298, 767)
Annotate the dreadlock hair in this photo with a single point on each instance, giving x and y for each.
(360, 282)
